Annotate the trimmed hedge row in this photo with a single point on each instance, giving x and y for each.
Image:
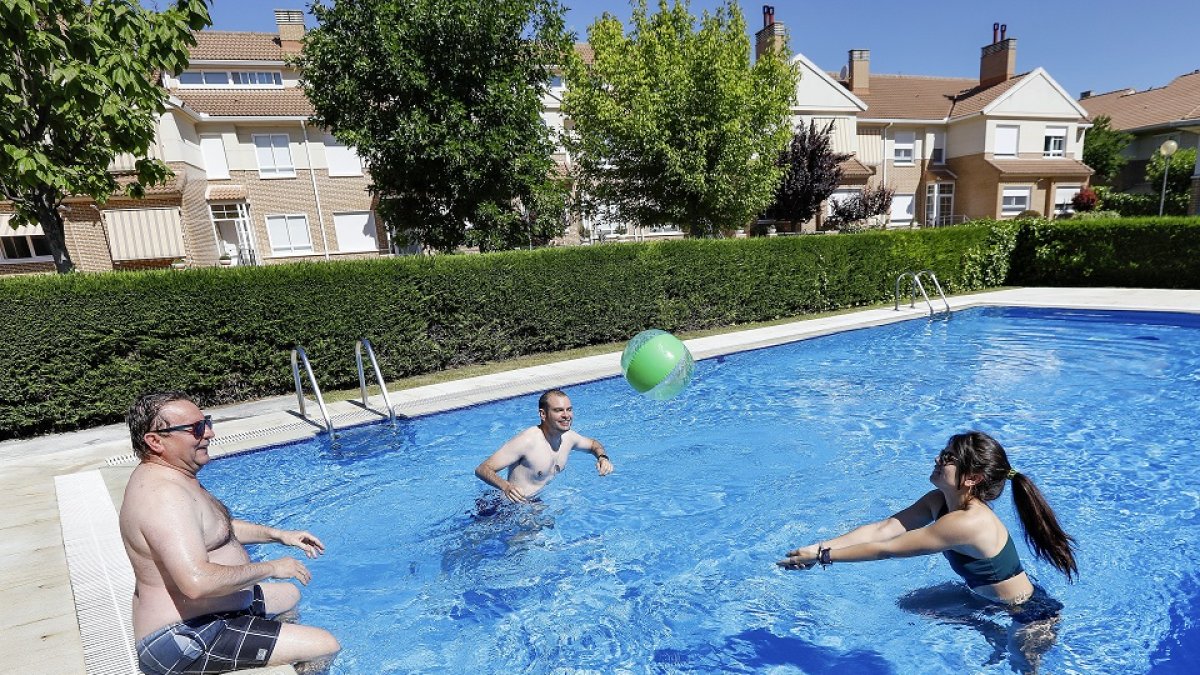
(1146, 252)
(75, 350)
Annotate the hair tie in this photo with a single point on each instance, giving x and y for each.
(1012, 473)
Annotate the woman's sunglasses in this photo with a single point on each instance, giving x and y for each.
(197, 428)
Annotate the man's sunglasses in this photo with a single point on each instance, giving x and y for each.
(197, 428)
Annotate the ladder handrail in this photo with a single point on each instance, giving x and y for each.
(937, 285)
(298, 355)
(915, 285)
(362, 379)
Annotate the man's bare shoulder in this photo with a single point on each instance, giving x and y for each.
(150, 488)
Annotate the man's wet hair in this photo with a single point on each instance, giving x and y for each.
(544, 400)
(145, 413)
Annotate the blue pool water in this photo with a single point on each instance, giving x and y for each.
(667, 564)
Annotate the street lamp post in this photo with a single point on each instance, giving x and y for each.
(1167, 149)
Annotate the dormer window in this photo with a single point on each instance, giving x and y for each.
(226, 78)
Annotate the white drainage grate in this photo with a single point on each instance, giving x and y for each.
(101, 577)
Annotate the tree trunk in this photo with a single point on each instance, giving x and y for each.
(45, 208)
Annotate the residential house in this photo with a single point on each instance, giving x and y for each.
(1153, 116)
(952, 149)
(254, 180)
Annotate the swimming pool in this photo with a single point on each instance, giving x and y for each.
(667, 565)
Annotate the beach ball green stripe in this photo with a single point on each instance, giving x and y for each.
(654, 361)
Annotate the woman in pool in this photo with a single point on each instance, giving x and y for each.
(956, 521)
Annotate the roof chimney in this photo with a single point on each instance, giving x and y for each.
(998, 62)
(860, 71)
(291, 29)
(771, 37)
(1085, 94)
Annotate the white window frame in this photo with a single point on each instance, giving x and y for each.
(904, 151)
(290, 247)
(839, 195)
(999, 150)
(1054, 134)
(275, 78)
(1068, 207)
(936, 195)
(1011, 200)
(281, 156)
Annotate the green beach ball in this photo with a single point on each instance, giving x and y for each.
(657, 364)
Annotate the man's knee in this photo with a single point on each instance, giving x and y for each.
(303, 643)
(280, 597)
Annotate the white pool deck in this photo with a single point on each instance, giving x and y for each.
(59, 494)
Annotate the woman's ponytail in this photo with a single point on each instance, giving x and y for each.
(1042, 531)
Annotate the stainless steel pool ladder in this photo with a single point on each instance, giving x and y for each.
(298, 357)
(916, 285)
(362, 379)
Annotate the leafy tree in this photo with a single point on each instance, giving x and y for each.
(442, 98)
(812, 174)
(1179, 177)
(77, 80)
(673, 126)
(1085, 200)
(1102, 149)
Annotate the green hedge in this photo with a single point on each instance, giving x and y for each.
(77, 349)
(1130, 252)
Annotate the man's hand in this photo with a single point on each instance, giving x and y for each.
(511, 493)
(289, 568)
(304, 541)
(800, 559)
(604, 466)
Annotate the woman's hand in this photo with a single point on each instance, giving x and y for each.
(801, 558)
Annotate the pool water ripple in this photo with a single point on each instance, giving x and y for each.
(667, 565)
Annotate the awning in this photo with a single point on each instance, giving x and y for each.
(933, 175)
(6, 229)
(852, 168)
(1057, 168)
(144, 234)
(225, 193)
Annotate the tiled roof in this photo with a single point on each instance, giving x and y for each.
(585, 52)
(1179, 100)
(225, 192)
(978, 98)
(289, 102)
(852, 168)
(911, 97)
(1041, 167)
(215, 45)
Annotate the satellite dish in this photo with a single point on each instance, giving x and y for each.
(844, 73)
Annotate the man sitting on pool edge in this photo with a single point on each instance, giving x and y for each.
(538, 454)
(198, 604)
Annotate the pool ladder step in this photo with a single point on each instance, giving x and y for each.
(915, 285)
(299, 357)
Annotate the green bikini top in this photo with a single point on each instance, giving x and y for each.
(985, 571)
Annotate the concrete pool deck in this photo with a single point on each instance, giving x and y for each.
(41, 628)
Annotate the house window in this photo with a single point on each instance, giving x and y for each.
(1014, 201)
(938, 154)
(274, 156)
(355, 231)
(1062, 199)
(902, 147)
(289, 235)
(343, 161)
(902, 208)
(839, 195)
(212, 148)
(223, 78)
(1056, 142)
(22, 247)
(939, 204)
(1006, 141)
(556, 82)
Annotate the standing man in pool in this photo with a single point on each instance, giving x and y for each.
(199, 605)
(538, 454)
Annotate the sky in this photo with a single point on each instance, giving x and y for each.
(1101, 45)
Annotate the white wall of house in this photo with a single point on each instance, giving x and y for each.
(1036, 95)
(178, 139)
(967, 137)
